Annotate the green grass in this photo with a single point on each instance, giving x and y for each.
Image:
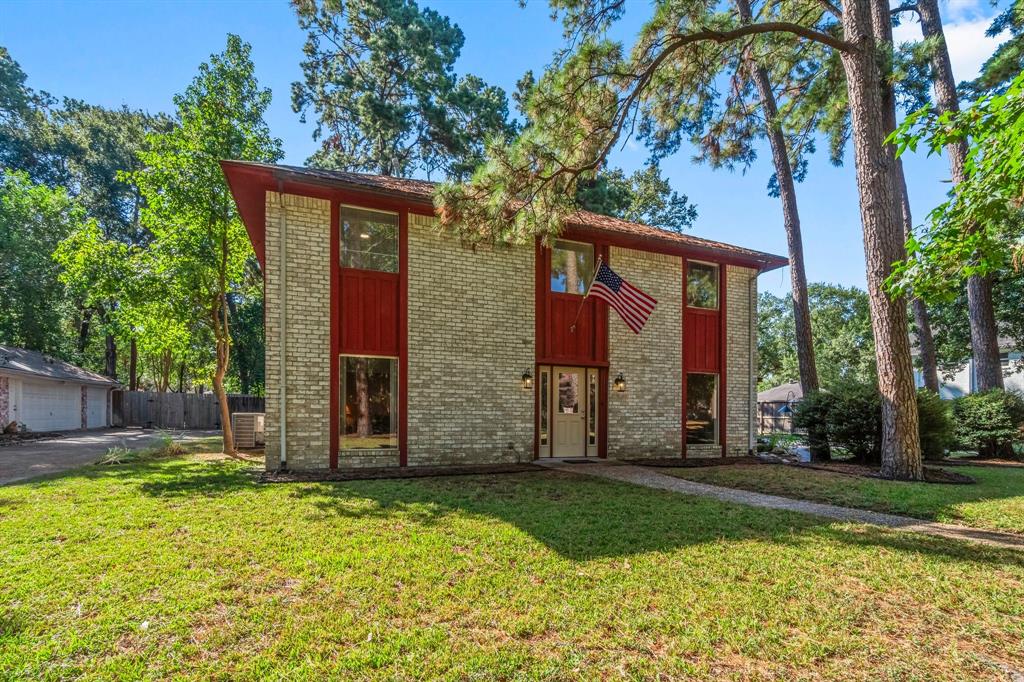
(995, 502)
(183, 568)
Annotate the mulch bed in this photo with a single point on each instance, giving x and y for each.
(978, 462)
(679, 462)
(931, 474)
(370, 474)
(15, 438)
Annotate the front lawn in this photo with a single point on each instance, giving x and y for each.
(995, 502)
(187, 568)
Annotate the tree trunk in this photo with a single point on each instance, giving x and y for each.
(925, 340)
(181, 377)
(362, 399)
(133, 364)
(110, 368)
(83, 330)
(984, 339)
(984, 336)
(794, 239)
(881, 219)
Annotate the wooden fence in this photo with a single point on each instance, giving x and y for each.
(775, 416)
(152, 410)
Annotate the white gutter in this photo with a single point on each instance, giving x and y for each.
(282, 397)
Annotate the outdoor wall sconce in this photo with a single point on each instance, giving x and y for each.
(619, 385)
(527, 380)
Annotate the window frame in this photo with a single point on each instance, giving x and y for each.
(341, 239)
(717, 281)
(394, 387)
(715, 410)
(551, 263)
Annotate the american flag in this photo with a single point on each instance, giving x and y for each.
(632, 305)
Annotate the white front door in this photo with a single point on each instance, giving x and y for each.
(570, 412)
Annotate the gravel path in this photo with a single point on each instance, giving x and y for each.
(649, 478)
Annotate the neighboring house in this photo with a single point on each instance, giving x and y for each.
(965, 381)
(396, 345)
(47, 394)
(775, 408)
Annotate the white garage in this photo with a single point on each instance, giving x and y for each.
(47, 394)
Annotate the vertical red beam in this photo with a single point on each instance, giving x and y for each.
(602, 354)
(335, 394)
(722, 392)
(682, 345)
(403, 341)
(539, 343)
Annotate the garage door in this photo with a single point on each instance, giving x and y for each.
(96, 408)
(51, 406)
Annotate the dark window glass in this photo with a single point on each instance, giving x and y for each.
(569, 392)
(702, 285)
(544, 393)
(369, 239)
(592, 407)
(572, 267)
(369, 387)
(701, 408)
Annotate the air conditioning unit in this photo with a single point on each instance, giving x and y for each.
(248, 429)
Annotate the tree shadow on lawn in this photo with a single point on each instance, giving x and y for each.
(579, 517)
(584, 518)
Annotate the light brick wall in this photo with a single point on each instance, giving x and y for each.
(308, 326)
(645, 420)
(471, 336)
(740, 357)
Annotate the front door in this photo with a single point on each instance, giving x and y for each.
(570, 412)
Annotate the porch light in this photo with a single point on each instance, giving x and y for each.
(619, 385)
(527, 380)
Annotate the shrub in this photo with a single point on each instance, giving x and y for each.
(989, 422)
(935, 425)
(850, 417)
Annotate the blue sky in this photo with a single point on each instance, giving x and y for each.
(141, 54)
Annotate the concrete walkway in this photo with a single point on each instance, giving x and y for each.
(78, 448)
(637, 475)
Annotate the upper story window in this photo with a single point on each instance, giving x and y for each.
(702, 285)
(369, 239)
(572, 267)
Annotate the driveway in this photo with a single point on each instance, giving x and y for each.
(35, 458)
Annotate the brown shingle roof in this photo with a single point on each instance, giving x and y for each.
(30, 362)
(422, 191)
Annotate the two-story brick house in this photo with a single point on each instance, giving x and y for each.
(395, 345)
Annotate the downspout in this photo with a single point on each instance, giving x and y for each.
(282, 326)
(752, 324)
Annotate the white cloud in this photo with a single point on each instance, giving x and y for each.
(969, 47)
(956, 9)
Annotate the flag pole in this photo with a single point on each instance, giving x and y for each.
(597, 268)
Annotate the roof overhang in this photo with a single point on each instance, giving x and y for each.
(250, 181)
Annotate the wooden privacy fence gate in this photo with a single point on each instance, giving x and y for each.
(153, 410)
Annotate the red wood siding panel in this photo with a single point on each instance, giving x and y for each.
(701, 348)
(567, 343)
(369, 312)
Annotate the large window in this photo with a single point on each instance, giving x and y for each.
(701, 409)
(572, 267)
(369, 390)
(369, 239)
(702, 285)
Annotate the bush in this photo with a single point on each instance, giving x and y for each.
(850, 417)
(989, 423)
(935, 424)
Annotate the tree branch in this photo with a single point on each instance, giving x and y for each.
(760, 28)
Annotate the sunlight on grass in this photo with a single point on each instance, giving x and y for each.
(995, 502)
(172, 568)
